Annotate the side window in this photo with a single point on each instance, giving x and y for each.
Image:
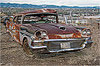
(19, 19)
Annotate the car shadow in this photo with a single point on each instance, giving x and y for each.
(61, 54)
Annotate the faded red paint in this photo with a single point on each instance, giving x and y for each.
(40, 11)
(53, 29)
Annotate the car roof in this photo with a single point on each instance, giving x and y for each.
(44, 11)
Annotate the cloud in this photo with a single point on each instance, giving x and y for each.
(57, 2)
(5, 1)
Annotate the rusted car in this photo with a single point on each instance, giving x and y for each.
(40, 30)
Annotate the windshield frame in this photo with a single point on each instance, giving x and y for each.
(39, 14)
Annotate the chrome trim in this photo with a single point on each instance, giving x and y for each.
(69, 49)
(62, 50)
(57, 40)
(38, 47)
(88, 38)
(89, 42)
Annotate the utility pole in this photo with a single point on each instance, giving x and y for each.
(65, 17)
(71, 16)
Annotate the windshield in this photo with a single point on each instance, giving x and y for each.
(39, 19)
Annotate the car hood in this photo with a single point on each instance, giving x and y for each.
(52, 28)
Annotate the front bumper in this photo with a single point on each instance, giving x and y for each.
(88, 42)
(83, 45)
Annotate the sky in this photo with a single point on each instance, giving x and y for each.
(56, 2)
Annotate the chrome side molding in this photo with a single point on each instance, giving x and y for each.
(57, 40)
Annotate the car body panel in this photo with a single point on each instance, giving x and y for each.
(55, 32)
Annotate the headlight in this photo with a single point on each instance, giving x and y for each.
(84, 32)
(41, 35)
(88, 33)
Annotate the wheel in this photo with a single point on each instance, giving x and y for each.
(32, 52)
(26, 47)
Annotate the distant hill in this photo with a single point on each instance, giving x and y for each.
(15, 5)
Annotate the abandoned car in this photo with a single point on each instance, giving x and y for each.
(40, 30)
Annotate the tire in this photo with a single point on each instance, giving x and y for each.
(26, 47)
(32, 52)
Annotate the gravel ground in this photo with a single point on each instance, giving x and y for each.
(12, 53)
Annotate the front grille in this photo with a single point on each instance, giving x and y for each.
(56, 45)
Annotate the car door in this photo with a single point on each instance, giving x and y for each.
(16, 27)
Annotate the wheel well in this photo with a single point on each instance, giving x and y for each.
(24, 38)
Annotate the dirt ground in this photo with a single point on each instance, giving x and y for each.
(12, 53)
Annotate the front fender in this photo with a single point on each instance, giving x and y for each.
(25, 34)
